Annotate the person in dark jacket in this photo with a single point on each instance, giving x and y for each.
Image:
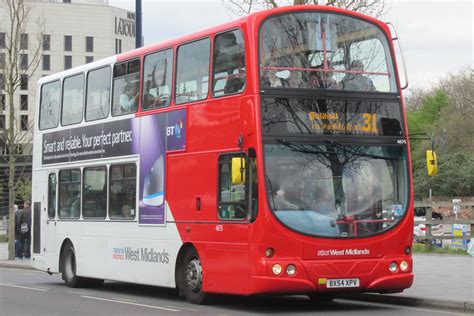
(17, 231)
(25, 230)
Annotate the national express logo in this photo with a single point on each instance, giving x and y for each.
(175, 130)
(140, 254)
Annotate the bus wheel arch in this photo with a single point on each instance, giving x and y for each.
(188, 275)
(67, 268)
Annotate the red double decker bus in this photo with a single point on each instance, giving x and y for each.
(266, 155)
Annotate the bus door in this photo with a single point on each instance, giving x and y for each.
(49, 215)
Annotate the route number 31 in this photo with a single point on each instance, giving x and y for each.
(370, 123)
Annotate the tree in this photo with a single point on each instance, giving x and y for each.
(447, 113)
(375, 8)
(17, 68)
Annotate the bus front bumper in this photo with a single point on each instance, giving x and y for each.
(314, 275)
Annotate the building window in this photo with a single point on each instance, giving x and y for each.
(229, 64)
(46, 62)
(2, 122)
(24, 82)
(23, 61)
(122, 191)
(24, 41)
(68, 43)
(89, 44)
(89, 59)
(24, 122)
(69, 193)
(2, 60)
(2, 102)
(24, 102)
(94, 192)
(126, 86)
(2, 40)
(98, 94)
(2, 82)
(46, 42)
(73, 100)
(192, 72)
(67, 62)
(118, 46)
(66, 1)
(52, 195)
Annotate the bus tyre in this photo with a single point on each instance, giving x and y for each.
(321, 297)
(69, 267)
(192, 277)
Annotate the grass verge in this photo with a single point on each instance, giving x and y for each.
(421, 248)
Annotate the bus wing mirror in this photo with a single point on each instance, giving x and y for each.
(431, 163)
(238, 170)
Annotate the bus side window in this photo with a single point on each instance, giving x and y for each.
(73, 100)
(192, 71)
(126, 87)
(98, 94)
(52, 195)
(94, 192)
(122, 191)
(49, 105)
(158, 72)
(232, 194)
(69, 193)
(228, 75)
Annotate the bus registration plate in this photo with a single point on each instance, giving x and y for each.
(338, 283)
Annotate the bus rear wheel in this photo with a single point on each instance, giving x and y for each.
(192, 276)
(69, 270)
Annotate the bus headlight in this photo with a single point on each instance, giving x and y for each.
(290, 270)
(393, 267)
(276, 268)
(404, 266)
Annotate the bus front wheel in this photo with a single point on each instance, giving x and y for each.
(192, 277)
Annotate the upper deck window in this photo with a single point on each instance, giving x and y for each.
(229, 64)
(49, 106)
(98, 94)
(192, 73)
(126, 87)
(73, 100)
(158, 74)
(324, 51)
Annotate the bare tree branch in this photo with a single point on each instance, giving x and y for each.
(15, 136)
(375, 8)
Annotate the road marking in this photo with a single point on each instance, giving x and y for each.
(185, 309)
(24, 287)
(124, 299)
(130, 303)
(80, 293)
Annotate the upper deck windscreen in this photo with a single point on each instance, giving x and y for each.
(324, 51)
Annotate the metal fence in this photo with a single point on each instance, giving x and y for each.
(429, 221)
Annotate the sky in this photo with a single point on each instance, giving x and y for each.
(436, 36)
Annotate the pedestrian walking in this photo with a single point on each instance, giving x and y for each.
(25, 230)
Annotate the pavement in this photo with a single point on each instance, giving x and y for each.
(441, 282)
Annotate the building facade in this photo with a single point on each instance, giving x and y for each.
(69, 33)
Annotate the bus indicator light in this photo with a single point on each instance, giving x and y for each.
(269, 252)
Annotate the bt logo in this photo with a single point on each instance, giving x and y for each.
(175, 129)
